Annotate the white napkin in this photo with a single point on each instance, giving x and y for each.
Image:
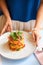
(0, 60)
(40, 42)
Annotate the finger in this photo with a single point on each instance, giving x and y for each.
(34, 40)
(8, 29)
(38, 38)
(10, 26)
(33, 35)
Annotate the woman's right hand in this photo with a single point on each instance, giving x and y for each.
(8, 26)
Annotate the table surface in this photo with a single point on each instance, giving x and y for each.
(31, 60)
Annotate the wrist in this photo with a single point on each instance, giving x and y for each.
(8, 17)
(40, 27)
(35, 29)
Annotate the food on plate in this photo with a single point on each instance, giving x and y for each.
(16, 41)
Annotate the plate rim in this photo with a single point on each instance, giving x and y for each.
(19, 57)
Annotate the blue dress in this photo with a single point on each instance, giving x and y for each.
(23, 10)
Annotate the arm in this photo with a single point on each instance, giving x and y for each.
(4, 9)
(39, 22)
(8, 24)
(39, 19)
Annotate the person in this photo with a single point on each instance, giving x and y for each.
(23, 10)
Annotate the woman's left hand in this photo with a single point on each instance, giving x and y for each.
(36, 35)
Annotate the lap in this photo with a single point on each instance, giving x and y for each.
(18, 25)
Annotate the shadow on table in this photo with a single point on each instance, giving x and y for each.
(30, 60)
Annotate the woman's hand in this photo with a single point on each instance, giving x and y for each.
(36, 35)
(7, 27)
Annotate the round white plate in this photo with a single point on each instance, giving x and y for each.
(23, 53)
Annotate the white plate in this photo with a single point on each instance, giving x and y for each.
(23, 53)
